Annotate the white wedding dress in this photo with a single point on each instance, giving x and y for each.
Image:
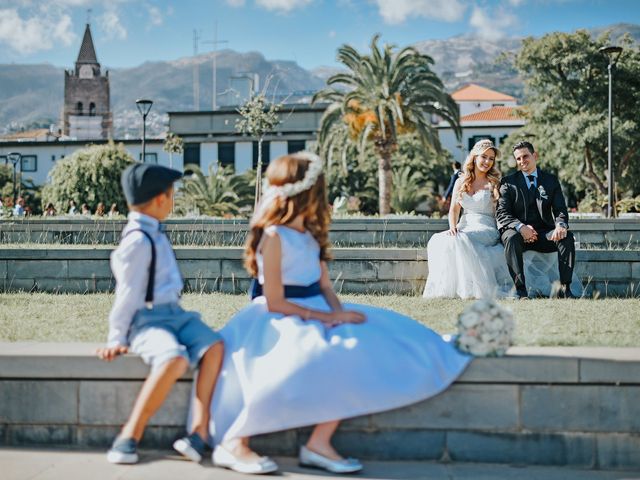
(281, 372)
(472, 264)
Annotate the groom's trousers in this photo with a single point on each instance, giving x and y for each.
(514, 246)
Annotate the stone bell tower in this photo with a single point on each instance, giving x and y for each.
(87, 113)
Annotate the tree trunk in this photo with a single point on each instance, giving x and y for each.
(384, 180)
(258, 176)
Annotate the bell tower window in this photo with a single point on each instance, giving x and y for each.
(79, 108)
(92, 109)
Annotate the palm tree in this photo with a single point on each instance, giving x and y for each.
(386, 94)
(218, 194)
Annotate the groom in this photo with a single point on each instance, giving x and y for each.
(532, 215)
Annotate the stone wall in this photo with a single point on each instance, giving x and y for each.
(406, 232)
(354, 270)
(553, 406)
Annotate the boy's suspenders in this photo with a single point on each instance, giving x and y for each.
(148, 299)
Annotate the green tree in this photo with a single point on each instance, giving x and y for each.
(173, 144)
(566, 85)
(91, 175)
(219, 194)
(259, 117)
(381, 96)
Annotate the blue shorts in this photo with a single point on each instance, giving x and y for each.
(167, 331)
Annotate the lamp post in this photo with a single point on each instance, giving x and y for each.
(143, 107)
(14, 158)
(612, 53)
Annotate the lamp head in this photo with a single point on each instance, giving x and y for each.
(144, 106)
(14, 157)
(612, 52)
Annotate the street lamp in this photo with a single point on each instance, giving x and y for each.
(14, 158)
(143, 107)
(613, 53)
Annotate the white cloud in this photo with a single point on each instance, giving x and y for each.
(282, 5)
(155, 16)
(112, 26)
(236, 3)
(491, 26)
(397, 11)
(40, 32)
(516, 3)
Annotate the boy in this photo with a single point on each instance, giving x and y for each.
(147, 318)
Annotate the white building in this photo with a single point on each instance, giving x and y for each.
(484, 113)
(40, 156)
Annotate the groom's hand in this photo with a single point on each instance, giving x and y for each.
(558, 234)
(529, 234)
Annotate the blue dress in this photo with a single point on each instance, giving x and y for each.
(282, 372)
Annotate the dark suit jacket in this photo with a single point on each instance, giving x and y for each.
(449, 191)
(512, 204)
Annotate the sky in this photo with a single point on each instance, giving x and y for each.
(128, 33)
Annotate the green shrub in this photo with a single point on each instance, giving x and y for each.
(91, 175)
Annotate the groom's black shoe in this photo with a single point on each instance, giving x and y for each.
(565, 292)
(521, 294)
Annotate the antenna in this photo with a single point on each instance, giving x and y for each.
(214, 74)
(196, 71)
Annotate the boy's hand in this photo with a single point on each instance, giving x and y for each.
(110, 353)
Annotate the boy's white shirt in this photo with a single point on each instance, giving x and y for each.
(130, 266)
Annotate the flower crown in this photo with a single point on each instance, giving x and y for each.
(310, 177)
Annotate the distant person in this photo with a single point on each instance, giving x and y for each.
(148, 319)
(100, 210)
(18, 208)
(457, 170)
(113, 211)
(73, 210)
(50, 210)
(86, 211)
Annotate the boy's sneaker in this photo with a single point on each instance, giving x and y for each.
(123, 450)
(191, 446)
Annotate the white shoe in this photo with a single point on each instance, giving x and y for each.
(308, 458)
(224, 458)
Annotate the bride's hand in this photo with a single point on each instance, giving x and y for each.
(452, 231)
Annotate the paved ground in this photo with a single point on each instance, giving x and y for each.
(23, 464)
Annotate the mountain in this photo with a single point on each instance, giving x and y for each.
(32, 95)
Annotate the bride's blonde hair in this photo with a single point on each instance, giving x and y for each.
(468, 170)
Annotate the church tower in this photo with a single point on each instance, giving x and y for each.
(86, 114)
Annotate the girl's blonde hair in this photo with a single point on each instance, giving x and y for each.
(312, 204)
(468, 174)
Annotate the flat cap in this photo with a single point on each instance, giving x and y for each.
(143, 181)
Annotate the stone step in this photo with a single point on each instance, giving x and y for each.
(353, 270)
(535, 406)
(388, 232)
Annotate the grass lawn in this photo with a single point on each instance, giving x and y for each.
(45, 317)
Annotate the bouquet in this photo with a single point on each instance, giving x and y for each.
(485, 329)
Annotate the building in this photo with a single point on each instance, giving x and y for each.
(86, 113)
(39, 157)
(484, 113)
(211, 137)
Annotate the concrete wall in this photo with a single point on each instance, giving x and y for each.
(354, 270)
(411, 232)
(553, 406)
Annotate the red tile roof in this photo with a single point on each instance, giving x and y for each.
(495, 113)
(473, 92)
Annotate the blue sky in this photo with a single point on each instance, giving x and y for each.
(130, 32)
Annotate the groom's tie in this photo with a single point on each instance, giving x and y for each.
(532, 185)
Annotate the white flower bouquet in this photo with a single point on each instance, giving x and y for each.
(485, 329)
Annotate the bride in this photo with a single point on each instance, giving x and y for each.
(467, 261)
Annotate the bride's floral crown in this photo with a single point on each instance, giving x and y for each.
(310, 177)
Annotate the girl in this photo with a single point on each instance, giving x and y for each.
(296, 356)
